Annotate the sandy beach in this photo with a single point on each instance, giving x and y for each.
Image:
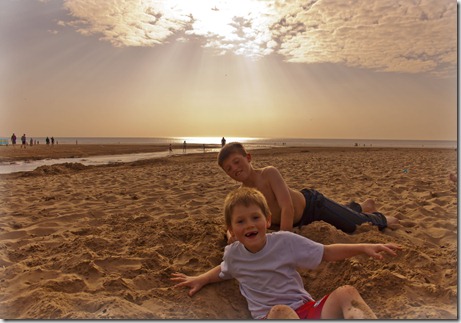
(93, 242)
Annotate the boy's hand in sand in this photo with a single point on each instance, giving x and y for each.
(193, 282)
(375, 250)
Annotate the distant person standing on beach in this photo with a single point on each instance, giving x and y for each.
(23, 141)
(184, 146)
(13, 139)
(52, 140)
(223, 142)
(47, 140)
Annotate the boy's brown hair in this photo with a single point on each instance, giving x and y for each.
(229, 149)
(244, 196)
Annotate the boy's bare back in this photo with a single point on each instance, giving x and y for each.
(270, 182)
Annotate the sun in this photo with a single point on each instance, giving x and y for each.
(239, 26)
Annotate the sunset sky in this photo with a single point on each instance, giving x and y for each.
(352, 69)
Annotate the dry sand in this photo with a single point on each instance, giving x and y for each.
(101, 242)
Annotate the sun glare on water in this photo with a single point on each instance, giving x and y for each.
(214, 140)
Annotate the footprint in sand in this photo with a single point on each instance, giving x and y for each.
(67, 284)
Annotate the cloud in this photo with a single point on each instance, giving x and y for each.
(395, 36)
(124, 22)
(383, 35)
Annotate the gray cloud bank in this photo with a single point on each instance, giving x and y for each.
(410, 36)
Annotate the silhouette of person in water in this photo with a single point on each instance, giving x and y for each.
(223, 142)
(23, 141)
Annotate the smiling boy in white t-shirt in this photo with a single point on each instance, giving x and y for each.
(265, 265)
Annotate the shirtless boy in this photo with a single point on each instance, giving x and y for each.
(290, 207)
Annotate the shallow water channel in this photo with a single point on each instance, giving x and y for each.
(30, 165)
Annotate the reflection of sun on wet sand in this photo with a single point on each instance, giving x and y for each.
(10, 153)
(102, 242)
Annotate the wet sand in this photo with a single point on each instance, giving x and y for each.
(13, 153)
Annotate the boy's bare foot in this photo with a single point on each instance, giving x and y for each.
(369, 206)
(392, 222)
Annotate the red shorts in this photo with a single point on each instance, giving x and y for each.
(311, 310)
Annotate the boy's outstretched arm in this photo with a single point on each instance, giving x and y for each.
(195, 283)
(335, 252)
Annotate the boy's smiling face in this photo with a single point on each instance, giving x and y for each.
(248, 226)
(237, 166)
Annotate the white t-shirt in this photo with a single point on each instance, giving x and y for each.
(269, 277)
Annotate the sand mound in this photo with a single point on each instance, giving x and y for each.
(64, 168)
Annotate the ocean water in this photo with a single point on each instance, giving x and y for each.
(21, 166)
(266, 142)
